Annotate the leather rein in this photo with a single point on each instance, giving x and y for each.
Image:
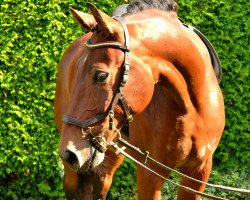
(118, 96)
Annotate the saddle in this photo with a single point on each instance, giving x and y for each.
(213, 55)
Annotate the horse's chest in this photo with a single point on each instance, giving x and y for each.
(163, 140)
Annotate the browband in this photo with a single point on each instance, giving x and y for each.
(116, 45)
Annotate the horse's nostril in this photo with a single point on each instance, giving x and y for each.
(71, 158)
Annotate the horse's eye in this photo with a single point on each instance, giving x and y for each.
(99, 76)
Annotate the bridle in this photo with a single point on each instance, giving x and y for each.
(118, 96)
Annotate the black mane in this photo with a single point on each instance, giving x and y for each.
(165, 5)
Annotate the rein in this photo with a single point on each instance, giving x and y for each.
(188, 189)
(146, 158)
(99, 142)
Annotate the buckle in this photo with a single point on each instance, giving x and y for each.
(130, 118)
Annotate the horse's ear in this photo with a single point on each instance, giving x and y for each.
(87, 21)
(107, 23)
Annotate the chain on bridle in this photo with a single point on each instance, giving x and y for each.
(99, 141)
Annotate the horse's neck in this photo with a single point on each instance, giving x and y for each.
(178, 60)
(181, 64)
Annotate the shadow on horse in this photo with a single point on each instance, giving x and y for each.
(146, 74)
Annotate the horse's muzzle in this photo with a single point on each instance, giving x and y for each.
(82, 160)
(73, 159)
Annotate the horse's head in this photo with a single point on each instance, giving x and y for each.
(107, 90)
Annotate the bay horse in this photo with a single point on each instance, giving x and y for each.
(147, 66)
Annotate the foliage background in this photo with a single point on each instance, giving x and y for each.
(33, 36)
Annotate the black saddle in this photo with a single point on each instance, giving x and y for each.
(213, 55)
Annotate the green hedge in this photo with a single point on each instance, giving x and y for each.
(33, 36)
